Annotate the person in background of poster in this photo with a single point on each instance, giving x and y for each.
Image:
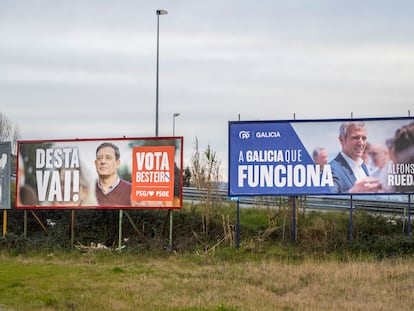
(380, 156)
(350, 175)
(320, 156)
(111, 190)
(27, 194)
(85, 189)
(368, 159)
(402, 155)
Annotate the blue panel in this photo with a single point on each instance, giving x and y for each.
(275, 158)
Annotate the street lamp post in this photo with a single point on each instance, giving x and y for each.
(159, 12)
(175, 114)
(170, 212)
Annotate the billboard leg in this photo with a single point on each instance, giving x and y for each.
(238, 223)
(4, 223)
(350, 219)
(39, 221)
(120, 230)
(72, 228)
(131, 221)
(171, 230)
(409, 216)
(293, 201)
(25, 223)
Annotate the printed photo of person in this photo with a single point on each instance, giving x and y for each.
(110, 190)
(320, 157)
(27, 195)
(82, 194)
(402, 156)
(350, 174)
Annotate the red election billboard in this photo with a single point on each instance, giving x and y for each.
(118, 173)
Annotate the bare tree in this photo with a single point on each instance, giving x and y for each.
(206, 177)
(9, 132)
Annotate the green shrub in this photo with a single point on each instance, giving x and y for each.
(264, 231)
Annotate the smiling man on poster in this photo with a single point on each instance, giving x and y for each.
(349, 172)
(110, 188)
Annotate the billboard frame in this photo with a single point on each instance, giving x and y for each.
(232, 148)
(177, 141)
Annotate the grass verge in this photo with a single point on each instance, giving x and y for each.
(122, 281)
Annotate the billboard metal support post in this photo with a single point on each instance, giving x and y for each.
(238, 219)
(131, 221)
(293, 201)
(409, 216)
(120, 230)
(238, 223)
(350, 219)
(25, 223)
(72, 228)
(4, 223)
(171, 230)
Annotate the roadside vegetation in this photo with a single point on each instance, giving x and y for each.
(262, 230)
(322, 270)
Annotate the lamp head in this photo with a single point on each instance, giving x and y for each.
(162, 12)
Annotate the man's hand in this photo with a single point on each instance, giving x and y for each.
(366, 185)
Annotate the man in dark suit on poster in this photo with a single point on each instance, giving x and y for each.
(350, 175)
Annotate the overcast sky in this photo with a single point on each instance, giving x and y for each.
(87, 68)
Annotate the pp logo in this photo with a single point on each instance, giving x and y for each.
(244, 134)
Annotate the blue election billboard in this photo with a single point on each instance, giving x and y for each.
(314, 157)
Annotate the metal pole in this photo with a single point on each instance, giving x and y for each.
(238, 217)
(159, 12)
(72, 228)
(4, 223)
(120, 230)
(293, 218)
(25, 223)
(170, 236)
(238, 224)
(156, 88)
(409, 216)
(174, 124)
(350, 220)
(175, 114)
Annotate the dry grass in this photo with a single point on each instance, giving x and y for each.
(127, 282)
